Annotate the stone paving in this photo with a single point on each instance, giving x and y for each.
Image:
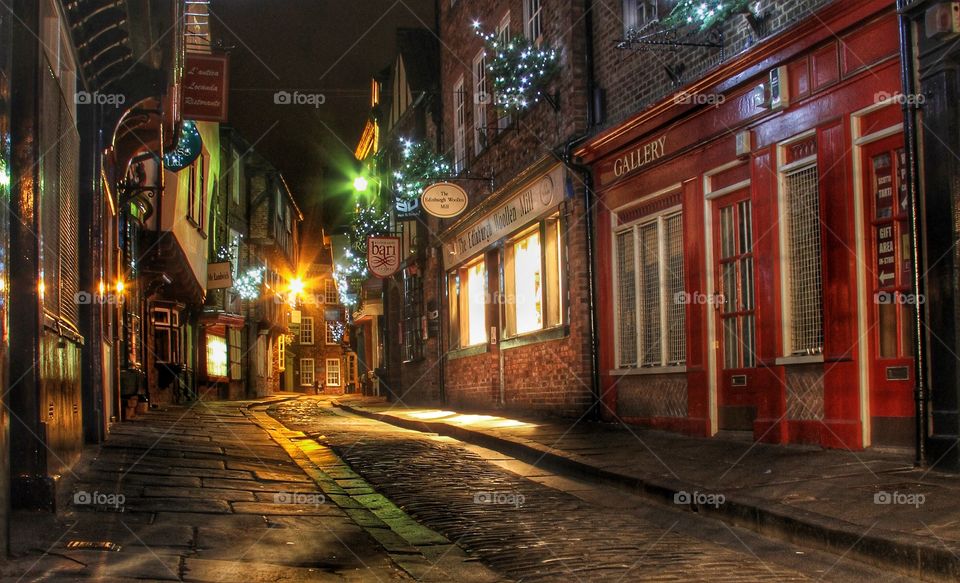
(527, 527)
(195, 494)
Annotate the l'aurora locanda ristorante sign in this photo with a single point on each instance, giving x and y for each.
(444, 200)
(205, 87)
(530, 202)
(383, 255)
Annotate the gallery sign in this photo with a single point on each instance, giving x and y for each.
(219, 275)
(205, 87)
(383, 255)
(530, 203)
(444, 200)
(634, 160)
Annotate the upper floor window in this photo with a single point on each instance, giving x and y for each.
(503, 35)
(480, 100)
(639, 13)
(306, 330)
(459, 127)
(330, 295)
(533, 19)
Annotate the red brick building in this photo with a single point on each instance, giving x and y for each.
(515, 264)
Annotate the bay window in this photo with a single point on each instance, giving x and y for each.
(651, 316)
(533, 279)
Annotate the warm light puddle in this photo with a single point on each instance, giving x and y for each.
(488, 421)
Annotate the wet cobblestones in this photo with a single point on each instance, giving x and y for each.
(523, 529)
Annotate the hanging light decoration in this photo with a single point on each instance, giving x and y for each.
(705, 13)
(420, 168)
(520, 69)
(247, 285)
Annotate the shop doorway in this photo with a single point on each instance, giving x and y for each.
(892, 304)
(734, 308)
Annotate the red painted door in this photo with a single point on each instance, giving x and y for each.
(735, 311)
(892, 303)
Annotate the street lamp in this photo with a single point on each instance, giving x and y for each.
(360, 184)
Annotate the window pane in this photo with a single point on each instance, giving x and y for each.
(528, 278)
(333, 372)
(650, 287)
(626, 299)
(216, 356)
(806, 295)
(553, 252)
(677, 310)
(453, 301)
(476, 304)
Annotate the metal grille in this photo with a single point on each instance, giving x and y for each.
(806, 288)
(676, 310)
(68, 157)
(627, 299)
(650, 289)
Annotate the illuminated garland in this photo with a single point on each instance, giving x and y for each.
(368, 221)
(349, 277)
(248, 284)
(421, 167)
(520, 69)
(705, 14)
(337, 330)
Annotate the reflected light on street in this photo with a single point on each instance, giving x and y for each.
(488, 421)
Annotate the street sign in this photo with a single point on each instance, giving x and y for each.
(444, 200)
(383, 256)
(219, 275)
(205, 87)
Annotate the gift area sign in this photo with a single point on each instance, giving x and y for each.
(529, 203)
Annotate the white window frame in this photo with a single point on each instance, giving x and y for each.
(481, 97)
(330, 294)
(333, 375)
(305, 379)
(503, 35)
(282, 353)
(659, 218)
(533, 20)
(783, 170)
(307, 324)
(328, 334)
(459, 126)
(639, 13)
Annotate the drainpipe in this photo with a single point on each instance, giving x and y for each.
(910, 123)
(588, 200)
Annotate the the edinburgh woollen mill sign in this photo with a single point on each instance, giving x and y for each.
(444, 200)
(383, 255)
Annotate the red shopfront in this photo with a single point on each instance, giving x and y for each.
(753, 256)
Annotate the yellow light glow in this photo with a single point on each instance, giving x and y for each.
(360, 184)
(297, 286)
(102, 288)
(477, 303)
(40, 288)
(216, 356)
(529, 303)
(120, 286)
(431, 414)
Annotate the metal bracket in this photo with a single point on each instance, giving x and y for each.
(654, 37)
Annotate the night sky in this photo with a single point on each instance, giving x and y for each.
(326, 47)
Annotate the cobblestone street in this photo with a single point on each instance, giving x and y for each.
(528, 524)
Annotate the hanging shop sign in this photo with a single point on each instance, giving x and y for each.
(530, 203)
(205, 87)
(383, 255)
(219, 275)
(444, 200)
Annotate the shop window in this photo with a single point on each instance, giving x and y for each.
(216, 355)
(282, 353)
(533, 279)
(533, 13)
(459, 127)
(651, 321)
(236, 370)
(412, 314)
(307, 372)
(639, 13)
(333, 372)
(480, 100)
(468, 305)
(804, 283)
(330, 296)
(166, 336)
(306, 330)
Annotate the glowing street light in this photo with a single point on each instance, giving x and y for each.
(360, 184)
(296, 287)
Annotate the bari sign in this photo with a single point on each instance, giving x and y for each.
(383, 255)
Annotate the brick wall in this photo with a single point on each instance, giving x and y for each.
(551, 376)
(635, 80)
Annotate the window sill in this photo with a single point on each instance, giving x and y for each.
(652, 370)
(468, 351)
(556, 333)
(788, 360)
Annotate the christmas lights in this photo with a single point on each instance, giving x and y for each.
(420, 168)
(520, 69)
(248, 284)
(705, 14)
